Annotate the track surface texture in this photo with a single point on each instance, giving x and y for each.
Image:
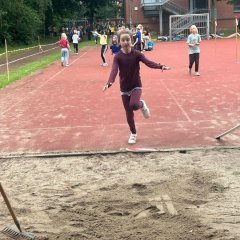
(64, 109)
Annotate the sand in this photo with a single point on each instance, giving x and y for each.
(192, 195)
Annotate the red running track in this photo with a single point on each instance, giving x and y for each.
(64, 109)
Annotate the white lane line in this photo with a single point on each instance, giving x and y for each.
(99, 125)
(177, 103)
(40, 86)
(28, 56)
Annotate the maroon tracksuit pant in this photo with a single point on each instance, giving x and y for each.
(132, 103)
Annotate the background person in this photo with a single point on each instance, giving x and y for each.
(75, 40)
(64, 44)
(115, 47)
(193, 42)
(104, 48)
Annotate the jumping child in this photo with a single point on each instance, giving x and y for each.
(127, 61)
(193, 42)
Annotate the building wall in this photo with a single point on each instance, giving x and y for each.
(152, 23)
(138, 14)
(183, 3)
(225, 16)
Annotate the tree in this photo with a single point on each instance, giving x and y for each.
(24, 20)
(107, 12)
(41, 7)
(3, 26)
(20, 23)
(93, 7)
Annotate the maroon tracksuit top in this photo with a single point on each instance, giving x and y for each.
(129, 69)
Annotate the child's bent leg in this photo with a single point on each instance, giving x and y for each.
(135, 102)
(129, 113)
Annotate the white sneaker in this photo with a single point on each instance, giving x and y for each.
(132, 139)
(145, 110)
(105, 64)
(197, 74)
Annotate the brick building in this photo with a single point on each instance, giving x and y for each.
(155, 14)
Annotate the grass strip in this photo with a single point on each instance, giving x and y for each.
(27, 69)
(35, 66)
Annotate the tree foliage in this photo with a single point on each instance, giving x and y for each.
(19, 22)
(23, 20)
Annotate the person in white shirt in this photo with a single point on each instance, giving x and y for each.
(75, 39)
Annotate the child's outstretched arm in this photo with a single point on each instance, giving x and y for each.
(164, 67)
(108, 85)
(152, 64)
(112, 75)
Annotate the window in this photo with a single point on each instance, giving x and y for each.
(236, 6)
(200, 4)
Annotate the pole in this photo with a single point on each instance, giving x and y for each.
(170, 27)
(160, 20)
(215, 36)
(130, 13)
(7, 59)
(39, 44)
(236, 23)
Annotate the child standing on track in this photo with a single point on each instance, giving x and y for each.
(193, 42)
(103, 43)
(75, 39)
(64, 44)
(127, 61)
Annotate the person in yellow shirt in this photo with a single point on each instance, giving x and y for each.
(103, 43)
(112, 30)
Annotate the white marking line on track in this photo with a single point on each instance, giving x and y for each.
(177, 103)
(100, 126)
(47, 81)
(28, 56)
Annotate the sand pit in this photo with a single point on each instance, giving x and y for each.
(192, 195)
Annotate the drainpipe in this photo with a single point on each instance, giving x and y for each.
(213, 16)
(161, 20)
(130, 13)
(191, 6)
